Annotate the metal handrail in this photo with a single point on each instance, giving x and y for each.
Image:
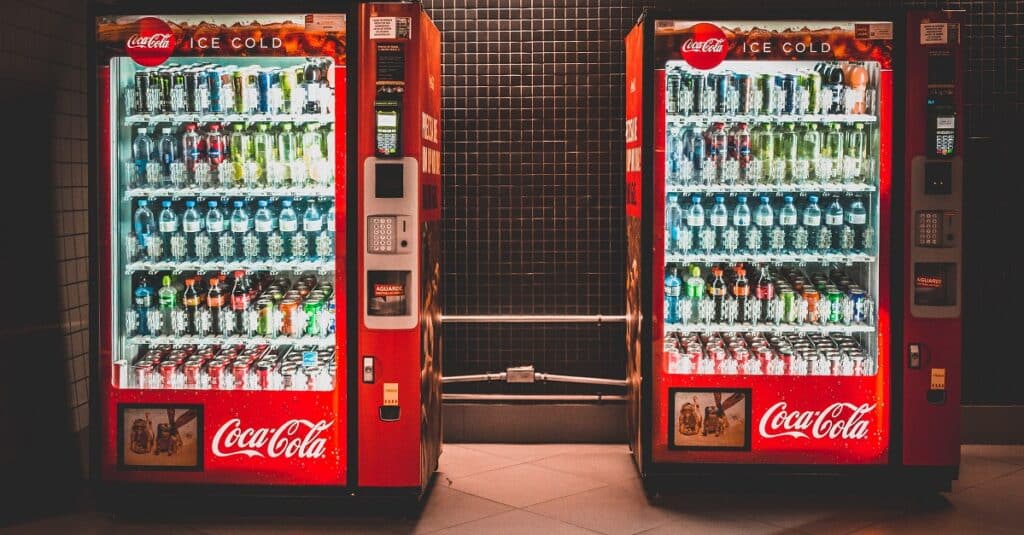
(532, 397)
(536, 318)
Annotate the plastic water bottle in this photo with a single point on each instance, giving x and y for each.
(831, 235)
(144, 225)
(190, 147)
(812, 222)
(143, 303)
(168, 299)
(142, 154)
(239, 230)
(863, 235)
(759, 238)
(214, 232)
(312, 224)
(719, 222)
(264, 223)
(672, 288)
(741, 222)
(329, 224)
(192, 223)
(168, 226)
(787, 222)
(673, 223)
(703, 237)
(287, 225)
(167, 148)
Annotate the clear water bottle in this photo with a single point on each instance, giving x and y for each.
(213, 235)
(863, 235)
(719, 150)
(192, 224)
(239, 230)
(144, 225)
(167, 148)
(788, 222)
(329, 224)
(673, 223)
(266, 155)
(760, 237)
(143, 151)
(287, 227)
(703, 238)
(673, 286)
(786, 146)
(810, 148)
(168, 228)
(855, 150)
(312, 152)
(832, 153)
(812, 222)
(674, 156)
(763, 152)
(312, 225)
(719, 222)
(264, 225)
(287, 151)
(190, 147)
(831, 237)
(741, 222)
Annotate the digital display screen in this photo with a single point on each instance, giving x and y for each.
(386, 293)
(387, 120)
(941, 67)
(389, 182)
(935, 284)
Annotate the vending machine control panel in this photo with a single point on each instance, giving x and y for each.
(391, 252)
(387, 120)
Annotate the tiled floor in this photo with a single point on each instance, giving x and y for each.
(587, 489)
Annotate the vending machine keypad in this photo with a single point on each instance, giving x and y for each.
(929, 229)
(381, 233)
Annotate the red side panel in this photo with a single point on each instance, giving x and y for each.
(635, 261)
(931, 430)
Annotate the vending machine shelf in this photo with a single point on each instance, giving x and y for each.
(221, 192)
(319, 341)
(202, 118)
(771, 188)
(694, 120)
(319, 266)
(781, 328)
(786, 258)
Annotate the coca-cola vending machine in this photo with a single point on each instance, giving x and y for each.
(794, 245)
(266, 256)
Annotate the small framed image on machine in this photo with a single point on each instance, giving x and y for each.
(709, 419)
(160, 437)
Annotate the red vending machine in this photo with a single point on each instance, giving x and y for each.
(236, 343)
(794, 245)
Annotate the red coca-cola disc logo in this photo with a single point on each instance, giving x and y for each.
(706, 47)
(153, 44)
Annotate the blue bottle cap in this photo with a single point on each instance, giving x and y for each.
(742, 199)
(212, 204)
(261, 203)
(719, 198)
(166, 204)
(190, 204)
(695, 199)
(812, 198)
(143, 202)
(788, 198)
(764, 199)
(286, 202)
(237, 204)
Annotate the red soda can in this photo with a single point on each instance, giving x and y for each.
(120, 373)
(263, 374)
(142, 371)
(167, 369)
(215, 371)
(239, 371)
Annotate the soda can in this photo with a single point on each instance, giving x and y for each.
(263, 374)
(789, 94)
(192, 91)
(167, 369)
(672, 92)
(699, 85)
(263, 91)
(835, 300)
(745, 94)
(238, 88)
(239, 371)
(766, 85)
(213, 80)
(812, 296)
(141, 92)
(264, 314)
(191, 370)
(720, 84)
(788, 305)
(813, 89)
(287, 81)
(858, 295)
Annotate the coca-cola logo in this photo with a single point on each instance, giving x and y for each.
(838, 420)
(294, 438)
(706, 47)
(153, 44)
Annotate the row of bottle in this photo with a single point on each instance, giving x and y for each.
(209, 88)
(830, 88)
(728, 297)
(268, 235)
(757, 354)
(259, 156)
(829, 153)
(254, 305)
(740, 230)
(258, 367)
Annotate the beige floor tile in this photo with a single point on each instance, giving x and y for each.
(1013, 454)
(446, 507)
(615, 468)
(524, 484)
(816, 515)
(978, 470)
(521, 452)
(342, 525)
(516, 522)
(612, 510)
(715, 525)
(458, 461)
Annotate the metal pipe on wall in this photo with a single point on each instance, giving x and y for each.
(539, 318)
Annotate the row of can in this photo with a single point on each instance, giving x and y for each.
(758, 354)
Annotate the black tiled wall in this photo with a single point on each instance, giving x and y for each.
(533, 207)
